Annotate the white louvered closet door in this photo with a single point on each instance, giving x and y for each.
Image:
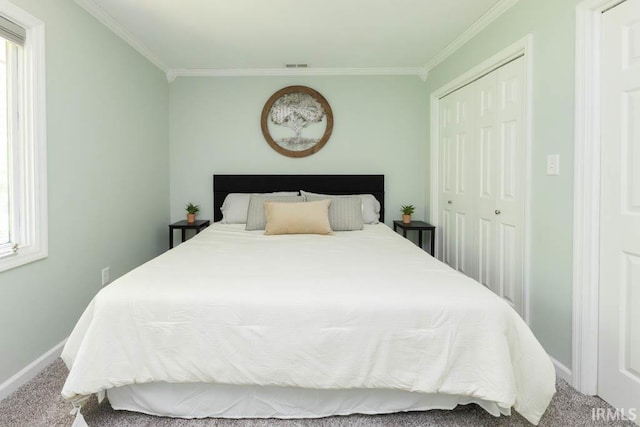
(492, 235)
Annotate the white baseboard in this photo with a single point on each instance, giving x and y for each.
(562, 371)
(31, 370)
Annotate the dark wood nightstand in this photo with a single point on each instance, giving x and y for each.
(183, 226)
(420, 226)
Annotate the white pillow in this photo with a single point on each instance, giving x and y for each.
(370, 205)
(236, 205)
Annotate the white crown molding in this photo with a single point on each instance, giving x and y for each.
(252, 72)
(483, 22)
(102, 16)
(108, 21)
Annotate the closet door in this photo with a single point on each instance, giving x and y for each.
(482, 174)
(457, 202)
(509, 202)
(487, 134)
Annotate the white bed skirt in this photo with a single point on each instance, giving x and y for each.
(200, 400)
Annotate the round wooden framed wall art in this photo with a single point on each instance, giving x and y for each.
(290, 112)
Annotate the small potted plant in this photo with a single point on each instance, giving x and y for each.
(192, 210)
(407, 211)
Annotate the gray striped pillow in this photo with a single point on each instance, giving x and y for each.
(345, 213)
(256, 219)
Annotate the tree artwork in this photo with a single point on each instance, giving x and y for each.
(296, 108)
(297, 111)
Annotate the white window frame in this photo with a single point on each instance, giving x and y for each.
(29, 162)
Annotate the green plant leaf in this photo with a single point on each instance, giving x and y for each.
(407, 209)
(192, 209)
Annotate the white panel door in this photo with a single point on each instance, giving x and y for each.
(482, 195)
(457, 175)
(509, 167)
(487, 133)
(619, 318)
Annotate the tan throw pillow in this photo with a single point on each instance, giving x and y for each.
(298, 218)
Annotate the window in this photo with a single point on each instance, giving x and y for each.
(5, 235)
(23, 198)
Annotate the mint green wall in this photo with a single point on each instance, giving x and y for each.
(379, 127)
(108, 180)
(552, 24)
(114, 123)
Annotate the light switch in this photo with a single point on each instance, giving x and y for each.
(553, 164)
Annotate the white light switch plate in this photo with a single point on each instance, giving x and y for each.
(553, 164)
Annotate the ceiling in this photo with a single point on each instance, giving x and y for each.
(236, 36)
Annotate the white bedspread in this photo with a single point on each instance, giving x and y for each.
(360, 309)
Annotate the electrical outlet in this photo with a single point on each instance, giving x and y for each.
(105, 276)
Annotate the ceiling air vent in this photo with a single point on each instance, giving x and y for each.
(296, 65)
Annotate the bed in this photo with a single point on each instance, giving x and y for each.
(238, 324)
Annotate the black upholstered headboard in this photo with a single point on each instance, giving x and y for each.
(325, 184)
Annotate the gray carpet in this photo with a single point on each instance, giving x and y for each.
(38, 403)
